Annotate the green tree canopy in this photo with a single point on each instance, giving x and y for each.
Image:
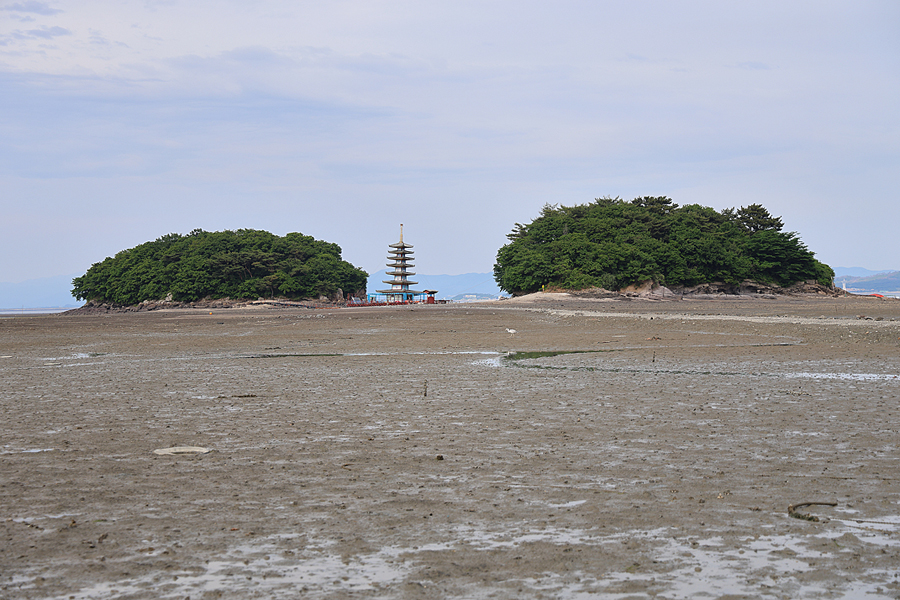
(246, 263)
(612, 243)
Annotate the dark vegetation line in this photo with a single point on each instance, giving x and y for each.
(611, 243)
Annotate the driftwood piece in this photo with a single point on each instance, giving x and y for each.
(792, 510)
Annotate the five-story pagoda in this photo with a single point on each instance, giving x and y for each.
(401, 260)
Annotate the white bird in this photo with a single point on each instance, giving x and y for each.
(510, 330)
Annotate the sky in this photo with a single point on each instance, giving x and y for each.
(121, 122)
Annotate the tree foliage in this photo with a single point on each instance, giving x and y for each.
(246, 263)
(612, 243)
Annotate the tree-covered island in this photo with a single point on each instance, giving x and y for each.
(240, 264)
(611, 243)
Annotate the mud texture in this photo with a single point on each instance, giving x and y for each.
(543, 447)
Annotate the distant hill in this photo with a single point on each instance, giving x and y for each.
(47, 292)
(882, 282)
(856, 272)
(447, 286)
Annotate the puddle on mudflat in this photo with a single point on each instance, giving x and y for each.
(666, 565)
(871, 529)
(515, 359)
(488, 362)
(28, 451)
(357, 354)
(513, 356)
(479, 539)
(292, 355)
(571, 504)
(710, 568)
(75, 356)
(268, 567)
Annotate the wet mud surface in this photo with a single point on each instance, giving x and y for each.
(604, 449)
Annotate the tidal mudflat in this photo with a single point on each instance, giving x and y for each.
(615, 449)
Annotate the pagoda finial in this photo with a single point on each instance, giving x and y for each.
(401, 232)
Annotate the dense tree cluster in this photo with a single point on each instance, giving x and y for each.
(236, 264)
(612, 243)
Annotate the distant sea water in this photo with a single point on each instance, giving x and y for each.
(33, 311)
(867, 291)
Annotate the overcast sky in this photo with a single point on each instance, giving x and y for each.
(123, 121)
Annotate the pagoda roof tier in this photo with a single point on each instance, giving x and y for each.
(404, 282)
(400, 245)
(399, 272)
(398, 292)
(400, 265)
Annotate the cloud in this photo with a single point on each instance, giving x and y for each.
(463, 117)
(30, 6)
(48, 33)
(43, 33)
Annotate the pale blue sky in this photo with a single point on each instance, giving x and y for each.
(121, 122)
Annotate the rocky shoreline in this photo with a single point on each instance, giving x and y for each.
(748, 288)
(95, 308)
(648, 291)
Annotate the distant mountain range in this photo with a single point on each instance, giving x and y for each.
(888, 281)
(856, 272)
(49, 292)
